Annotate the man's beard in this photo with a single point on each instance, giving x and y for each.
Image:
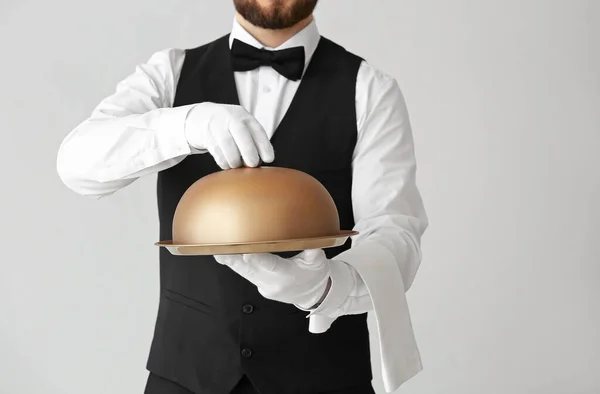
(278, 15)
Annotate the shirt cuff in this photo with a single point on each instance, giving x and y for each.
(170, 138)
(342, 283)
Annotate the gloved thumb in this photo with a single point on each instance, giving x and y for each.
(226, 259)
(312, 256)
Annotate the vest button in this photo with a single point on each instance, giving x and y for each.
(247, 309)
(246, 353)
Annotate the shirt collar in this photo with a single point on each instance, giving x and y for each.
(308, 38)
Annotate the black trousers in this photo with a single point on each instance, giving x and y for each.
(158, 385)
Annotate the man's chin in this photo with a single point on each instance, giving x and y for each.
(275, 15)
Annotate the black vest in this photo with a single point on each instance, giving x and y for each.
(213, 326)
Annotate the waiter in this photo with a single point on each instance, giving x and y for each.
(273, 91)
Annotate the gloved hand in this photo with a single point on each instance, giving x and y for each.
(302, 280)
(229, 133)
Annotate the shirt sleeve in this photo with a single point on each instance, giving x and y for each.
(132, 133)
(388, 209)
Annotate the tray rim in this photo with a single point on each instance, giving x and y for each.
(341, 234)
(290, 245)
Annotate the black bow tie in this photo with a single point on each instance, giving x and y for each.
(287, 62)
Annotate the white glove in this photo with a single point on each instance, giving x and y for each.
(229, 133)
(302, 280)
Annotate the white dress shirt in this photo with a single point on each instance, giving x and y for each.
(136, 132)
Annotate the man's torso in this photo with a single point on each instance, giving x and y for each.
(213, 326)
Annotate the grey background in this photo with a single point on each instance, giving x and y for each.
(505, 103)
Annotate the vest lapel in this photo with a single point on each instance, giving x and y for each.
(217, 82)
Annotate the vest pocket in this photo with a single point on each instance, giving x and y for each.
(186, 301)
(193, 347)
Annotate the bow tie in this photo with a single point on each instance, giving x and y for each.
(287, 62)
